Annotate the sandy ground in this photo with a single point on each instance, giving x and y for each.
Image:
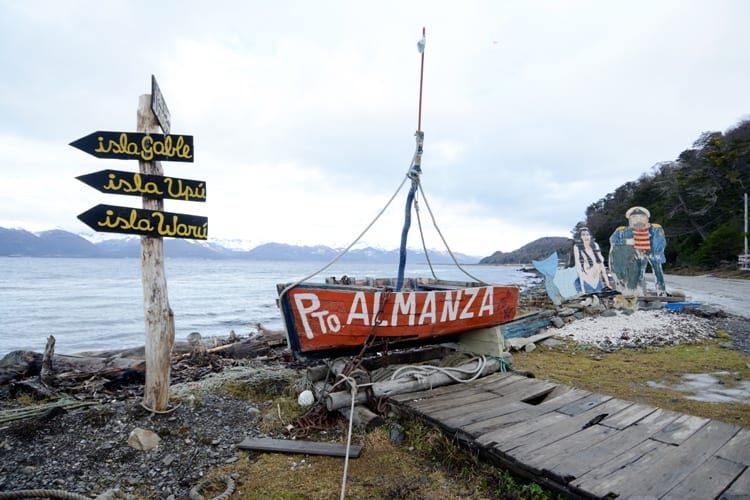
(729, 295)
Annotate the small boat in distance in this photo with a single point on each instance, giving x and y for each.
(336, 317)
(343, 315)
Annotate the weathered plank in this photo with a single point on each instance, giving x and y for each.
(629, 416)
(524, 411)
(495, 408)
(737, 448)
(523, 326)
(467, 396)
(299, 446)
(656, 473)
(740, 489)
(542, 461)
(524, 390)
(572, 425)
(500, 439)
(593, 445)
(589, 458)
(584, 404)
(680, 429)
(596, 481)
(467, 409)
(709, 480)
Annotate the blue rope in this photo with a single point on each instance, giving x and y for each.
(404, 236)
(415, 170)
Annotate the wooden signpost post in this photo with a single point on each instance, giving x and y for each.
(151, 222)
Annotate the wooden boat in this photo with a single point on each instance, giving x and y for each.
(340, 315)
(326, 318)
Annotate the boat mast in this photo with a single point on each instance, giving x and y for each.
(414, 172)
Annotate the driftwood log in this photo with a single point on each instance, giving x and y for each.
(337, 400)
(37, 374)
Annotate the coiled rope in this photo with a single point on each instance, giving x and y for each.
(113, 494)
(195, 490)
(420, 372)
(65, 495)
(42, 494)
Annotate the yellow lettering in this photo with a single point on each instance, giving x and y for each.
(107, 222)
(100, 148)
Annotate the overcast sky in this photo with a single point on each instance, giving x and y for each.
(303, 113)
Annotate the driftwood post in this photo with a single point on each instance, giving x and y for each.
(159, 316)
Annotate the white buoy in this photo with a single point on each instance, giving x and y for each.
(306, 398)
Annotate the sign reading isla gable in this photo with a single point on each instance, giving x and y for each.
(137, 146)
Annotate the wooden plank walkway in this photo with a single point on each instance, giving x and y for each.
(589, 445)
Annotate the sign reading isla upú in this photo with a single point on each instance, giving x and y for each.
(137, 146)
(126, 220)
(152, 186)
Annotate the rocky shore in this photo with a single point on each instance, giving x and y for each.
(87, 443)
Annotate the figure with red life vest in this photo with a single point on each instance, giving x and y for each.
(633, 248)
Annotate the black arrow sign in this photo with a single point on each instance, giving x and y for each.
(152, 186)
(137, 146)
(126, 220)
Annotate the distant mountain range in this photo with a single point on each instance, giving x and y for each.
(536, 250)
(59, 243)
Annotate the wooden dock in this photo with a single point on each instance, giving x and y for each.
(588, 445)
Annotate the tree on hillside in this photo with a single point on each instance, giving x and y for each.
(697, 198)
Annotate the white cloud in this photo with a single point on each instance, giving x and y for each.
(303, 113)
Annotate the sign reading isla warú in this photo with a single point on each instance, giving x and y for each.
(154, 223)
(137, 146)
(152, 186)
(159, 106)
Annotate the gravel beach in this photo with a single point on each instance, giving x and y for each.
(84, 450)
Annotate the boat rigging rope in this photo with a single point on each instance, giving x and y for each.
(434, 223)
(344, 251)
(421, 235)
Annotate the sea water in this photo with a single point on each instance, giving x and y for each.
(97, 304)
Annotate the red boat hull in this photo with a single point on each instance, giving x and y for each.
(321, 318)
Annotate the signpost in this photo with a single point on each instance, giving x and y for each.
(151, 222)
(137, 184)
(159, 106)
(154, 223)
(136, 146)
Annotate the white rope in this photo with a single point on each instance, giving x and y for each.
(419, 372)
(343, 252)
(353, 386)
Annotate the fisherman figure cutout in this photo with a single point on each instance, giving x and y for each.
(633, 248)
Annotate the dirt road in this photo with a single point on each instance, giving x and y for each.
(730, 295)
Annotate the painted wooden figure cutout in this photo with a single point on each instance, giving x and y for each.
(633, 248)
(589, 261)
